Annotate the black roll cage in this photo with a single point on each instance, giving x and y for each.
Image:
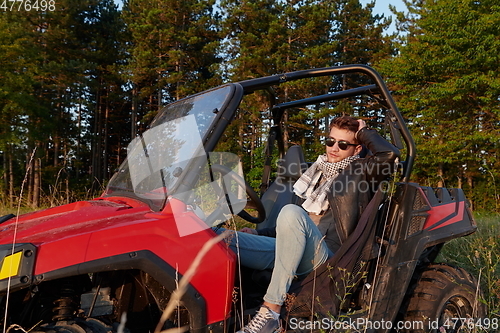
(396, 122)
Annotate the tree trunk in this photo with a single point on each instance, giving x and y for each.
(28, 182)
(67, 190)
(78, 141)
(470, 182)
(105, 138)
(11, 179)
(286, 136)
(57, 147)
(440, 175)
(253, 145)
(134, 113)
(37, 182)
(5, 176)
(66, 172)
(97, 141)
(241, 133)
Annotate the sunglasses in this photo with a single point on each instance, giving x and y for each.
(343, 145)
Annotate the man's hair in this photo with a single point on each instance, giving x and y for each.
(346, 123)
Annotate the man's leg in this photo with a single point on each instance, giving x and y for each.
(257, 252)
(300, 248)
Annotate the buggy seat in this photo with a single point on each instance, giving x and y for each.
(280, 192)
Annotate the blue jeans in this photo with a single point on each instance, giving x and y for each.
(297, 249)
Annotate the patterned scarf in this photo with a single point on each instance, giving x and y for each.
(307, 186)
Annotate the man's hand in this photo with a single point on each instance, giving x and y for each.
(249, 231)
(362, 124)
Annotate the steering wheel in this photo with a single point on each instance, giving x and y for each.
(254, 201)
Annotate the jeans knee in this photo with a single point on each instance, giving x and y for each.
(291, 215)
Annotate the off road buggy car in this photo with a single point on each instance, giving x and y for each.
(81, 266)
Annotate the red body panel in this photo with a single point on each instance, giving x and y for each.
(442, 215)
(446, 215)
(85, 231)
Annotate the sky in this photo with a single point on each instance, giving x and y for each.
(382, 7)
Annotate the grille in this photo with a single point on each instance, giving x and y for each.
(416, 224)
(419, 201)
(418, 216)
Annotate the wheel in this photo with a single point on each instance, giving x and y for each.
(445, 297)
(254, 201)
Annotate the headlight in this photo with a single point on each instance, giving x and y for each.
(10, 265)
(17, 265)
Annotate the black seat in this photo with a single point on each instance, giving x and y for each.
(280, 192)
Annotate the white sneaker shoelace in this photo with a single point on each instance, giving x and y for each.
(263, 317)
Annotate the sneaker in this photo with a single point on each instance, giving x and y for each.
(265, 321)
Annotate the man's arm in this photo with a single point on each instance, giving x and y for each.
(383, 156)
(270, 232)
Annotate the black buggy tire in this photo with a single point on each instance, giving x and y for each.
(444, 297)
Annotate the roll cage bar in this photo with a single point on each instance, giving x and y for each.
(396, 122)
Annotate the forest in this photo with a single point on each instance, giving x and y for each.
(81, 78)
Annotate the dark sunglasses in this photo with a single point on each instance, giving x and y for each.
(343, 145)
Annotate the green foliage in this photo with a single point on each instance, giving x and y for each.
(173, 47)
(265, 37)
(62, 61)
(446, 75)
(78, 83)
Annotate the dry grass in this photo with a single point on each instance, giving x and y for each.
(479, 254)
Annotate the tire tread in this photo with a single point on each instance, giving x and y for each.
(438, 284)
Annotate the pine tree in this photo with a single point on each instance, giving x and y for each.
(269, 37)
(173, 48)
(103, 31)
(253, 34)
(448, 81)
(64, 59)
(17, 71)
(360, 39)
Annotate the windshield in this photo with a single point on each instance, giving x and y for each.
(157, 158)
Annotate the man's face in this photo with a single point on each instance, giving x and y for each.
(335, 154)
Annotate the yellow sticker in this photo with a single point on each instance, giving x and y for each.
(10, 265)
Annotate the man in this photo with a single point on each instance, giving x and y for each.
(337, 186)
